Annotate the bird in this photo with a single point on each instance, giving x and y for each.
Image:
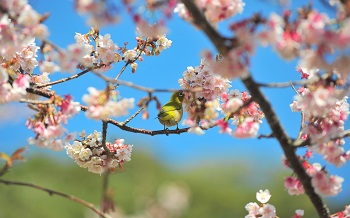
(171, 113)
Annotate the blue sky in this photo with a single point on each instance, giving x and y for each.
(176, 151)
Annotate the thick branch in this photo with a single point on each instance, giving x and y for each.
(53, 192)
(271, 117)
(286, 144)
(222, 44)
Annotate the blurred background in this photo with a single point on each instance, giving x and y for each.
(212, 175)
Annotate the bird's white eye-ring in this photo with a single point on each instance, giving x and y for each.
(181, 94)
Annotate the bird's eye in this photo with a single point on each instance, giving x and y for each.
(181, 94)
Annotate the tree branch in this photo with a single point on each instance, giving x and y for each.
(64, 79)
(53, 192)
(302, 142)
(105, 201)
(271, 117)
(223, 45)
(286, 144)
(288, 84)
(130, 62)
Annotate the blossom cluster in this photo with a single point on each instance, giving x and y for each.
(103, 104)
(27, 27)
(90, 153)
(16, 90)
(342, 214)
(18, 49)
(203, 101)
(99, 12)
(210, 95)
(312, 37)
(325, 110)
(322, 181)
(83, 54)
(214, 10)
(204, 81)
(247, 119)
(47, 124)
(265, 210)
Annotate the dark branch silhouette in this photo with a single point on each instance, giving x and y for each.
(271, 117)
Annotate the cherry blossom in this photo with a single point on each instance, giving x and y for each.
(145, 29)
(14, 92)
(298, 214)
(91, 154)
(252, 208)
(294, 186)
(48, 67)
(327, 184)
(215, 10)
(267, 211)
(102, 107)
(99, 14)
(263, 196)
(47, 124)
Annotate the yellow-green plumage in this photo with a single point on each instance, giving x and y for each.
(171, 112)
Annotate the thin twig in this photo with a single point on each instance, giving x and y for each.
(53, 192)
(64, 79)
(29, 101)
(302, 123)
(5, 169)
(132, 116)
(266, 136)
(288, 84)
(302, 142)
(129, 62)
(142, 88)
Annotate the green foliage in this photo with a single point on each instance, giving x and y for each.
(215, 190)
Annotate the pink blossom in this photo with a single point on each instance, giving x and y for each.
(331, 152)
(92, 155)
(40, 31)
(327, 184)
(298, 214)
(69, 107)
(267, 211)
(28, 17)
(79, 51)
(130, 55)
(294, 186)
(102, 108)
(215, 10)
(145, 29)
(224, 126)
(247, 129)
(252, 208)
(48, 67)
(313, 27)
(263, 196)
(231, 66)
(99, 13)
(54, 131)
(194, 128)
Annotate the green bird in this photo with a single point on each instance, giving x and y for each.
(171, 112)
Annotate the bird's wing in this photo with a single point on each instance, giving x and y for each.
(166, 114)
